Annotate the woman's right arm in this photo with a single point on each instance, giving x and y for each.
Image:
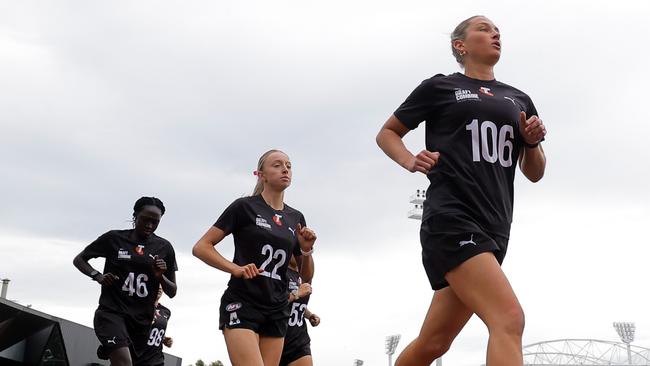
(205, 250)
(390, 141)
(81, 262)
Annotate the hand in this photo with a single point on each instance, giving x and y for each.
(168, 341)
(532, 129)
(314, 320)
(246, 272)
(107, 279)
(423, 162)
(304, 289)
(159, 266)
(306, 238)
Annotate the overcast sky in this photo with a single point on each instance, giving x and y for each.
(103, 102)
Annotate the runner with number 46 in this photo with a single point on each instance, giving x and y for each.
(138, 262)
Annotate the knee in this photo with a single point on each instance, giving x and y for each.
(121, 357)
(432, 349)
(511, 322)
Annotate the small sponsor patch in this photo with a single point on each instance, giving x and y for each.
(123, 254)
(234, 320)
(233, 306)
(464, 94)
(261, 222)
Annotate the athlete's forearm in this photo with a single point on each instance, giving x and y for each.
(82, 265)
(533, 163)
(393, 146)
(206, 252)
(168, 285)
(307, 268)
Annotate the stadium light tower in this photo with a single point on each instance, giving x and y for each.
(417, 199)
(357, 363)
(626, 331)
(391, 345)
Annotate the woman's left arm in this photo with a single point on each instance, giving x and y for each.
(167, 279)
(532, 160)
(306, 239)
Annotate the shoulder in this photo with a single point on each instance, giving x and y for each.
(161, 241)
(514, 90)
(436, 80)
(288, 210)
(244, 201)
(116, 234)
(164, 309)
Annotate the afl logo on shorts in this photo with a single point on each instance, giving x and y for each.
(140, 249)
(233, 306)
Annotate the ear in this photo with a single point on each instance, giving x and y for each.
(459, 45)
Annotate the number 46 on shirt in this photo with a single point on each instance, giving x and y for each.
(136, 285)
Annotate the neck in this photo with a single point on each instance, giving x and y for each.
(155, 303)
(137, 237)
(479, 71)
(273, 198)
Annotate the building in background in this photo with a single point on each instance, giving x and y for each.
(30, 337)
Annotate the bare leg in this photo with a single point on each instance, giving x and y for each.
(271, 348)
(243, 347)
(121, 357)
(482, 286)
(446, 317)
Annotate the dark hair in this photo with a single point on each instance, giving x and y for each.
(148, 201)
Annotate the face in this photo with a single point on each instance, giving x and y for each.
(147, 220)
(482, 42)
(276, 171)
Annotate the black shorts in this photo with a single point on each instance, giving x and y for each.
(115, 330)
(448, 241)
(235, 313)
(294, 353)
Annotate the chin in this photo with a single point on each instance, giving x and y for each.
(493, 59)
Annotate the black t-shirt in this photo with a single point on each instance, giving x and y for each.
(134, 294)
(474, 125)
(266, 237)
(153, 353)
(297, 335)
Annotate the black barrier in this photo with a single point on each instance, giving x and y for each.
(30, 337)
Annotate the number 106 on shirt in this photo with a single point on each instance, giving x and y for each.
(491, 143)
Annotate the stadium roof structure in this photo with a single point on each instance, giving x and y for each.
(31, 337)
(565, 352)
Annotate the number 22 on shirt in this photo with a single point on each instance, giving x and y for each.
(272, 254)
